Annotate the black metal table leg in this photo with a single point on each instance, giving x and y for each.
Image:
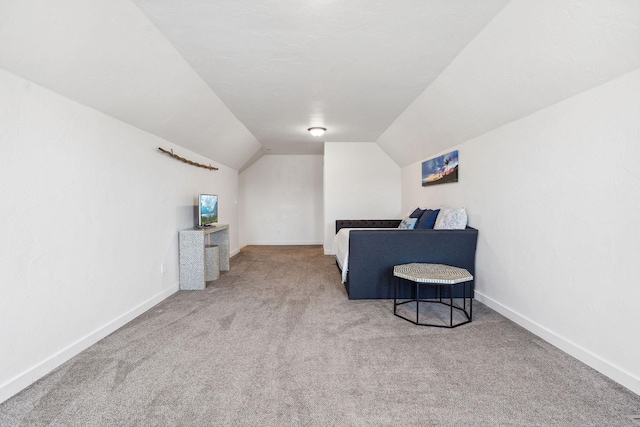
(395, 295)
(451, 305)
(417, 302)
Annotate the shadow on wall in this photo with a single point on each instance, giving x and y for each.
(186, 216)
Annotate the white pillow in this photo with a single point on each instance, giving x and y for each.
(451, 219)
(408, 223)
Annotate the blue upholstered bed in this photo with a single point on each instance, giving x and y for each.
(375, 246)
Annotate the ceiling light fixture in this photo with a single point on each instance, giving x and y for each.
(317, 131)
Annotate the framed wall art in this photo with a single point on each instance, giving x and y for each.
(440, 170)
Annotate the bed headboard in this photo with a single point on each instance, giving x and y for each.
(367, 223)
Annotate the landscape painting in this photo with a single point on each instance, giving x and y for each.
(441, 169)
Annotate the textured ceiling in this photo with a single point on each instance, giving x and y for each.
(282, 66)
(235, 79)
(533, 54)
(106, 54)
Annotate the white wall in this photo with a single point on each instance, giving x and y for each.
(531, 55)
(281, 201)
(556, 198)
(360, 182)
(108, 56)
(90, 211)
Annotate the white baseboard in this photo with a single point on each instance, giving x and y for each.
(38, 371)
(606, 368)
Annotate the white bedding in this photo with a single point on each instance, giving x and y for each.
(341, 248)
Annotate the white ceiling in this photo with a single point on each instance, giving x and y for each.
(282, 66)
(233, 80)
(106, 54)
(532, 55)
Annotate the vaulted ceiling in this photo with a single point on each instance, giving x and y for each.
(233, 80)
(351, 66)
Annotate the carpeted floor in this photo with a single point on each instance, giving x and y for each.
(276, 342)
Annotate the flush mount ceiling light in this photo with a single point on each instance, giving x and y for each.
(317, 131)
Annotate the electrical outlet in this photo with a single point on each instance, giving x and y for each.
(162, 268)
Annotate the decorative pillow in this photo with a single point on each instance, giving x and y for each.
(417, 213)
(428, 219)
(408, 223)
(451, 219)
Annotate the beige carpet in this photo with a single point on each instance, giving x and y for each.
(276, 342)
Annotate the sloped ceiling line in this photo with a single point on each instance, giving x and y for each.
(531, 56)
(108, 56)
(233, 80)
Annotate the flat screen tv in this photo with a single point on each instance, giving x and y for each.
(207, 210)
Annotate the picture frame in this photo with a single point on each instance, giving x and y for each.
(440, 170)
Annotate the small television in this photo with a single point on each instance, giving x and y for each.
(207, 210)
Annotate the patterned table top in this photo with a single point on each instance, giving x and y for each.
(432, 273)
